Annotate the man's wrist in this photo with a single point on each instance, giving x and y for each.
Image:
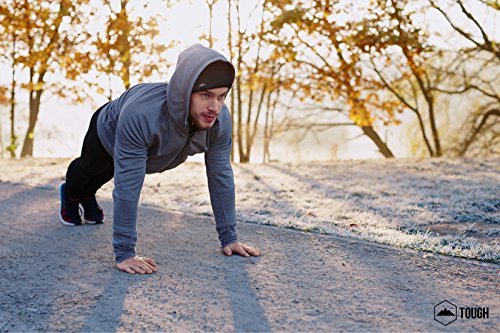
(123, 257)
(224, 244)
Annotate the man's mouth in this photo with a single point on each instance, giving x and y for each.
(208, 118)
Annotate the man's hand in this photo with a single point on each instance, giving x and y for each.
(138, 264)
(241, 249)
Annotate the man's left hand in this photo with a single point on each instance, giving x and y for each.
(241, 249)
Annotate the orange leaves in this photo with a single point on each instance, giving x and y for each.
(359, 115)
(32, 86)
(4, 99)
(128, 47)
(45, 34)
(335, 49)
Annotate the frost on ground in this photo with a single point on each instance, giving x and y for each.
(448, 206)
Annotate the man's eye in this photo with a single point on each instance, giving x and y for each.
(204, 95)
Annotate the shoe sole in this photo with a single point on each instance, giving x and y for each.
(60, 216)
(93, 222)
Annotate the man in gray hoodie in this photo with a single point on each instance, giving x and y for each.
(150, 128)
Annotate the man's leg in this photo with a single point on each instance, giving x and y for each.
(85, 175)
(99, 180)
(93, 213)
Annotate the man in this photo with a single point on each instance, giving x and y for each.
(151, 128)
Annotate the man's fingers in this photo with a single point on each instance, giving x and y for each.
(126, 269)
(138, 269)
(241, 251)
(251, 250)
(141, 269)
(227, 251)
(152, 263)
(146, 267)
(138, 265)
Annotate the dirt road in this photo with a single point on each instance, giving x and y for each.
(57, 278)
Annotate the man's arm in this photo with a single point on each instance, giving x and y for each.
(222, 193)
(130, 157)
(221, 183)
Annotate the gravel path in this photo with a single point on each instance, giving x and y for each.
(57, 278)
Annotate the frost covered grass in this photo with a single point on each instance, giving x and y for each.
(443, 206)
(448, 206)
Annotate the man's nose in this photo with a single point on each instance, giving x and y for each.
(214, 105)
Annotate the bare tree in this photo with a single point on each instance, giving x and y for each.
(473, 70)
(210, 4)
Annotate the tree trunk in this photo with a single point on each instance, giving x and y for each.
(373, 135)
(230, 47)
(435, 134)
(13, 138)
(239, 133)
(424, 134)
(265, 143)
(241, 153)
(426, 91)
(248, 134)
(232, 127)
(271, 126)
(257, 116)
(110, 90)
(210, 10)
(30, 133)
(125, 48)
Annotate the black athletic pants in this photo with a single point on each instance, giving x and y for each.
(92, 169)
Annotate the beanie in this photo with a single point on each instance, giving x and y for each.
(216, 75)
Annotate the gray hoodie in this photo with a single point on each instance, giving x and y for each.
(146, 130)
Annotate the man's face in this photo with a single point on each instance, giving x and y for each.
(205, 106)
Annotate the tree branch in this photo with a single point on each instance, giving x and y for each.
(476, 130)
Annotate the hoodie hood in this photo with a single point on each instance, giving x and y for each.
(190, 64)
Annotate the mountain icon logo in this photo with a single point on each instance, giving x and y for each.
(445, 312)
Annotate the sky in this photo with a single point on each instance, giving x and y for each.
(62, 125)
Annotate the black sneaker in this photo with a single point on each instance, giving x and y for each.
(92, 212)
(69, 214)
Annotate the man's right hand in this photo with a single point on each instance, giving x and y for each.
(138, 264)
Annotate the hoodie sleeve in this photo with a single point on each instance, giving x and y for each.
(130, 157)
(221, 184)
